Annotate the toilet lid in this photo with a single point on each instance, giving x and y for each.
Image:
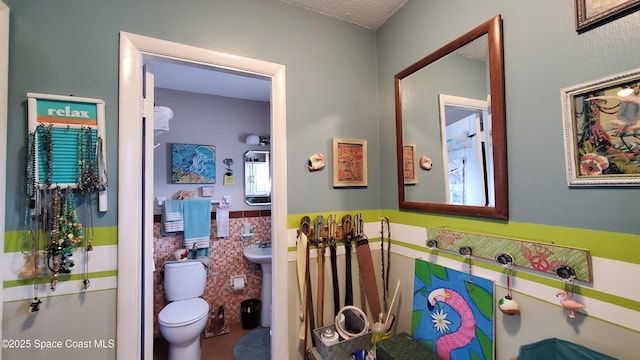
(183, 312)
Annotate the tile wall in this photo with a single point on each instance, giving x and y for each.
(226, 260)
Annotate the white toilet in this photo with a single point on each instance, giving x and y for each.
(184, 318)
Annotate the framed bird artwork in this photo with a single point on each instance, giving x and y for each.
(602, 131)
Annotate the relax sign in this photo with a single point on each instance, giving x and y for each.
(66, 112)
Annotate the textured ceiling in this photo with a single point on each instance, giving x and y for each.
(367, 13)
(170, 74)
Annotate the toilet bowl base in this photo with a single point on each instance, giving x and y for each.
(185, 352)
(184, 341)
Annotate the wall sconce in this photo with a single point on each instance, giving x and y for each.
(252, 140)
(257, 140)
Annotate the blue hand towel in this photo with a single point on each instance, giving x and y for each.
(197, 223)
(172, 217)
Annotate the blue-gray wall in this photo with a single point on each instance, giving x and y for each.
(209, 120)
(331, 86)
(543, 54)
(72, 48)
(339, 84)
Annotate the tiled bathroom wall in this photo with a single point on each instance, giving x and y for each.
(226, 260)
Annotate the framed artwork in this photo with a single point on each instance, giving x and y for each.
(61, 127)
(349, 162)
(602, 131)
(409, 163)
(452, 312)
(207, 191)
(193, 164)
(593, 13)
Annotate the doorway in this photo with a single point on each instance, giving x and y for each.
(465, 124)
(135, 194)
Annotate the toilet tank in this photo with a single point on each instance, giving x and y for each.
(184, 279)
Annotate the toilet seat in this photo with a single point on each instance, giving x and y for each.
(183, 312)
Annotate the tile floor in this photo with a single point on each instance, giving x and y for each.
(217, 347)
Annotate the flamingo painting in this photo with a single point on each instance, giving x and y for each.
(453, 312)
(467, 330)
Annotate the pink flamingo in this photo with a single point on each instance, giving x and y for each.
(447, 343)
(569, 304)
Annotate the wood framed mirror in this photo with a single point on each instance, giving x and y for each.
(467, 159)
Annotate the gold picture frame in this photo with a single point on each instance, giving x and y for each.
(349, 162)
(409, 163)
(593, 13)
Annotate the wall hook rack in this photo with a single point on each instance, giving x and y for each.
(504, 260)
(532, 255)
(565, 273)
(465, 251)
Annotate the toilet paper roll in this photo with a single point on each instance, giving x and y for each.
(237, 284)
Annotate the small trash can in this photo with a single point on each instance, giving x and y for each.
(250, 310)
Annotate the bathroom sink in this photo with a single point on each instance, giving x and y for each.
(262, 256)
(258, 255)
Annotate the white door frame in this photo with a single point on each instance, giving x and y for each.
(132, 180)
(4, 96)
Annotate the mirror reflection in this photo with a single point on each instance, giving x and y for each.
(466, 137)
(257, 177)
(450, 105)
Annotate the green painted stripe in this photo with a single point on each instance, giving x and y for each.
(591, 293)
(602, 244)
(61, 277)
(54, 295)
(558, 305)
(106, 235)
